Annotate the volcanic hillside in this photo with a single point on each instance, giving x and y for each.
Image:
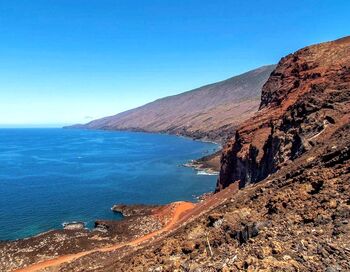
(210, 112)
(297, 218)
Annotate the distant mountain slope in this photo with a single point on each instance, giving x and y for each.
(210, 112)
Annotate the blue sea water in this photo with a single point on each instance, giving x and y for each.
(51, 176)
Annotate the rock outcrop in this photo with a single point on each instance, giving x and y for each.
(210, 112)
(305, 100)
(134, 210)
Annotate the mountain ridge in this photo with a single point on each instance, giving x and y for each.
(202, 113)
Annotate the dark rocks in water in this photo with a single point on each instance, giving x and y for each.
(102, 226)
(134, 210)
(209, 164)
(75, 225)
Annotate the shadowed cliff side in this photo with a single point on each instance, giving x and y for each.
(303, 102)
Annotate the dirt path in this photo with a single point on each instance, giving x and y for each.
(178, 211)
(182, 212)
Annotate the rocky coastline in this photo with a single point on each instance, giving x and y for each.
(139, 220)
(207, 165)
(282, 201)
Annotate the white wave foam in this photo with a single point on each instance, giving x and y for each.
(206, 173)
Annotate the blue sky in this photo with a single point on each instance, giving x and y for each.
(64, 61)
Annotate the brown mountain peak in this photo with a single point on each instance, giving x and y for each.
(303, 102)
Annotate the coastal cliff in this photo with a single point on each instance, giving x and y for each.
(305, 100)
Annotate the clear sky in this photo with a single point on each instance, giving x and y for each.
(68, 61)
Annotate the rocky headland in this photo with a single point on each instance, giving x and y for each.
(209, 164)
(135, 210)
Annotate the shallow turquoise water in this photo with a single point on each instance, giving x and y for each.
(51, 176)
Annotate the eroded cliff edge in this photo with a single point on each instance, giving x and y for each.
(305, 100)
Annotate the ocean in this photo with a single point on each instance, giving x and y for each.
(52, 176)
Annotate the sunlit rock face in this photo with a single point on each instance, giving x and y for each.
(303, 102)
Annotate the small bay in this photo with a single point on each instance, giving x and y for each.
(52, 176)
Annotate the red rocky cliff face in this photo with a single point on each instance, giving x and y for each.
(303, 103)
